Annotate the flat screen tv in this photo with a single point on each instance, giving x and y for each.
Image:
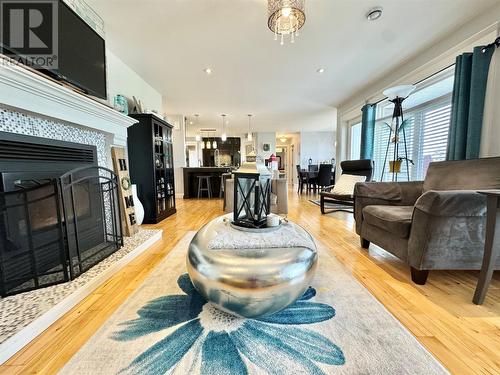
(81, 54)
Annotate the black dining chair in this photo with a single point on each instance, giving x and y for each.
(324, 180)
(313, 168)
(301, 178)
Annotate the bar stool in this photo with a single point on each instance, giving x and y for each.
(208, 187)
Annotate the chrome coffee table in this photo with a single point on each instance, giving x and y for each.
(250, 282)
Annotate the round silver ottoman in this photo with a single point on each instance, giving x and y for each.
(249, 282)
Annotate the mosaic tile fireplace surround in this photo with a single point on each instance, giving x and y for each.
(35, 151)
(19, 122)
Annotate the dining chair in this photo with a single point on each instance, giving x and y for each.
(324, 180)
(302, 179)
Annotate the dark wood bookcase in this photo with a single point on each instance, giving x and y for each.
(152, 166)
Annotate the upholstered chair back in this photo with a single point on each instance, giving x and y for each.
(474, 174)
(325, 174)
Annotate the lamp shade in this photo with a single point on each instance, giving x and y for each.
(402, 91)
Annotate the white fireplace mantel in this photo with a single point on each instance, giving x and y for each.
(29, 91)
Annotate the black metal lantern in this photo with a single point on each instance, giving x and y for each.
(252, 195)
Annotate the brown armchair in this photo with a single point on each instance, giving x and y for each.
(436, 224)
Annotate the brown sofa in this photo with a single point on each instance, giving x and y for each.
(436, 224)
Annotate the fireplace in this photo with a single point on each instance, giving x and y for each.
(59, 212)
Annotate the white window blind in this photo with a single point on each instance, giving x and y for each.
(426, 138)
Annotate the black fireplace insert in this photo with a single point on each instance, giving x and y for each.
(59, 212)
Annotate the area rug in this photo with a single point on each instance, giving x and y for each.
(332, 206)
(336, 327)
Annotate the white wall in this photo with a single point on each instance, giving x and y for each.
(318, 146)
(265, 137)
(480, 30)
(125, 81)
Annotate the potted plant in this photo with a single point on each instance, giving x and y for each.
(395, 165)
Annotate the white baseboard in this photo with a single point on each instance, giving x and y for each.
(15, 343)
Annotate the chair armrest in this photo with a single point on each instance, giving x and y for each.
(400, 193)
(452, 203)
(384, 193)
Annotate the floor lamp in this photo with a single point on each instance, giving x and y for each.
(397, 95)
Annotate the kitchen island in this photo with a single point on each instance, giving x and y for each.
(191, 180)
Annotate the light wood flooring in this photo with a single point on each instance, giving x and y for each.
(463, 336)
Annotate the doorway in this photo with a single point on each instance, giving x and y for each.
(285, 162)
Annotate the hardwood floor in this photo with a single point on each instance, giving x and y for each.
(463, 336)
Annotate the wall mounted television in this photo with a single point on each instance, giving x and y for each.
(81, 54)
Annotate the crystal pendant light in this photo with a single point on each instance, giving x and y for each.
(214, 143)
(224, 135)
(286, 18)
(249, 135)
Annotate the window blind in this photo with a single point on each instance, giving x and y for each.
(426, 138)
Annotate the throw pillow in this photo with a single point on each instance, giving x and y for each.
(345, 184)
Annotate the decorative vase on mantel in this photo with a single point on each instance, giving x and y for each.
(139, 208)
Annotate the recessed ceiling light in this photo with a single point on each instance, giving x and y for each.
(208, 70)
(320, 70)
(374, 14)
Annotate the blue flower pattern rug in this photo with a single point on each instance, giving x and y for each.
(336, 327)
(271, 343)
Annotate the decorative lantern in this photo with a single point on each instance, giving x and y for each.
(252, 194)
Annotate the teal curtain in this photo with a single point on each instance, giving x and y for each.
(367, 131)
(469, 90)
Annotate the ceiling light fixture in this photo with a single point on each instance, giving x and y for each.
(208, 70)
(198, 136)
(320, 70)
(249, 135)
(374, 14)
(283, 139)
(286, 17)
(224, 135)
(214, 143)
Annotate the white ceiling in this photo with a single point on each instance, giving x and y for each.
(170, 42)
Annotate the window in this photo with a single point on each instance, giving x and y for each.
(355, 141)
(428, 112)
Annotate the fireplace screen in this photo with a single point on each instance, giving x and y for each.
(55, 229)
(31, 232)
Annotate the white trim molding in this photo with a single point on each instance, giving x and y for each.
(27, 90)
